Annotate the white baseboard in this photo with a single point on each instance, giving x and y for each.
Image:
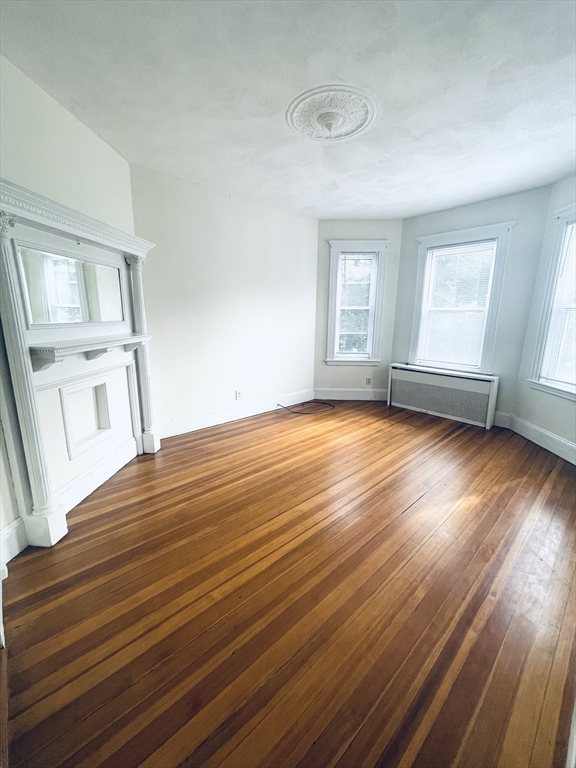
(240, 411)
(557, 445)
(502, 419)
(358, 393)
(13, 542)
(76, 490)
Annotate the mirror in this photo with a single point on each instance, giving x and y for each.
(60, 289)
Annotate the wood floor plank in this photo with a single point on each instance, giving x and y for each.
(364, 587)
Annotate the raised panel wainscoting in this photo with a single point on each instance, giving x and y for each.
(368, 586)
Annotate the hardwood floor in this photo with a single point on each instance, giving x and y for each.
(363, 587)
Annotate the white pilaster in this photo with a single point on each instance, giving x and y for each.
(47, 523)
(150, 437)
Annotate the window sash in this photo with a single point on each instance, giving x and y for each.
(557, 369)
(429, 311)
(369, 306)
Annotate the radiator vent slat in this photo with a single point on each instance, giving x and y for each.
(463, 397)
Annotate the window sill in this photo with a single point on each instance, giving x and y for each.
(360, 361)
(551, 389)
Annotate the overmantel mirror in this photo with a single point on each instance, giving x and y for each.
(60, 289)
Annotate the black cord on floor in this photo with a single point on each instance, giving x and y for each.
(329, 407)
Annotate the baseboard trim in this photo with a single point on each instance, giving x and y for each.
(502, 419)
(240, 411)
(14, 540)
(76, 490)
(354, 393)
(557, 445)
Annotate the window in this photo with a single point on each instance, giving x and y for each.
(555, 364)
(459, 281)
(356, 276)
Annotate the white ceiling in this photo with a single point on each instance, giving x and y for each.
(474, 99)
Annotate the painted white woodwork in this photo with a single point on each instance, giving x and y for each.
(47, 523)
(80, 420)
(150, 436)
(46, 355)
(376, 251)
(501, 234)
(80, 436)
(28, 205)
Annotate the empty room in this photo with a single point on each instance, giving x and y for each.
(288, 383)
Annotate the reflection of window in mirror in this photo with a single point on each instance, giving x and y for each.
(60, 289)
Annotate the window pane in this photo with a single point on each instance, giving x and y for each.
(353, 342)
(354, 320)
(453, 336)
(461, 278)
(559, 363)
(455, 303)
(355, 295)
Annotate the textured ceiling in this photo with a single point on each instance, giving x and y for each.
(474, 99)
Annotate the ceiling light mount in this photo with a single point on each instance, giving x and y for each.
(330, 112)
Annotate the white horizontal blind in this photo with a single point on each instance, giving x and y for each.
(456, 299)
(559, 363)
(355, 302)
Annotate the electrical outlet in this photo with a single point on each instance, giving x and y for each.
(368, 380)
(238, 395)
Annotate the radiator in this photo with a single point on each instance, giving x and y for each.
(467, 397)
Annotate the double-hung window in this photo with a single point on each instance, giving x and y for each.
(458, 293)
(356, 276)
(555, 360)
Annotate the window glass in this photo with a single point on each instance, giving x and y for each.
(455, 304)
(559, 361)
(355, 278)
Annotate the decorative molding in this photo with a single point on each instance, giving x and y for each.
(47, 354)
(330, 113)
(6, 221)
(136, 261)
(350, 393)
(47, 528)
(14, 540)
(240, 411)
(103, 430)
(27, 205)
(150, 437)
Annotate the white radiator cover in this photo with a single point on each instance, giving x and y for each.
(466, 397)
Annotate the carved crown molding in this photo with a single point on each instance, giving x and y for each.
(27, 205)
(330, 112)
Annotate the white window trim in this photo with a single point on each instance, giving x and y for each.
(337, 248)
(564, 216)
(498, 232)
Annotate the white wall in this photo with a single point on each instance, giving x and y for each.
(47, 150)
(230, 297)
(529, 211)
(350, 380)
(542, 409)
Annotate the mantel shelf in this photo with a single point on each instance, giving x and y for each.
(45, 355)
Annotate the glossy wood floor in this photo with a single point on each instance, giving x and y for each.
(364, 587)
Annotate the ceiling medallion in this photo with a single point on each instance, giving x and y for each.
(330, 112)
